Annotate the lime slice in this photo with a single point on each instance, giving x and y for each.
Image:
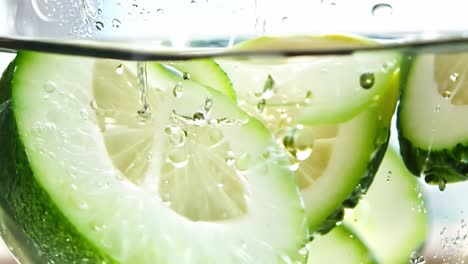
(391, 219)
(337, 247)
(328, 89)
(432, 114)
(333, 127)
(196, 182)
(205, 71)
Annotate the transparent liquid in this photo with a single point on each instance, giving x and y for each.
(444, 204)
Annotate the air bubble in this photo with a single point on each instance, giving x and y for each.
(178, 158)
(116, 23)
(208, 105)
(177, 136)
(199, 119)
(447, 94)
(242, 162)
(178, 90)
(454, 76)
(367, 80)
(308, 97)
(50, 87)
(382, 9)
(120, 69)
(99, 25)
(303, 153)
(261, 105)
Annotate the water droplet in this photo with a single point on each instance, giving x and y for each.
(268, 88)
(119, 70)
(94, 104)
(437, 109)
(261, 105)
(84, 114)
(37, 129)
(230, 159)
(294, 166)
(186, 76)
(303, 153)
(288, 142)
(308, 97)
(454, 76)
(415, 258)
(199, 119)
(284, 19)
(367, 80)
(160, 11)
(99, 25)
(447, 94)
(242, 162)
(178, 90)
(193, 1)
(149, 157)
(382, 9)
(50, 87)
(116, 23)
(178, 158)
(176, 135)
(208, 105)
(215, 135)
(442, 185)
(145, 112)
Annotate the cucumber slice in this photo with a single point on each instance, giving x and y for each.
(337, 247)
(199, 190)
(391, 219)
(329, 89)
(433, 132)
(332, 145)
(208, 72)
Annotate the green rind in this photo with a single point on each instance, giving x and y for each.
(206, 72)
(436, 166)
(283, 175)
(392, 228)
(56, 238)
(339, 246)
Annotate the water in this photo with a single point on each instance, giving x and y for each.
(205, 152)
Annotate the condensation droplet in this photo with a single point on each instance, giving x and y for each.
(176, 135)
(268, 88)
(119, 70)
(186, 76)
(442, 185)
(178, 158)
(116, 23)
(367, 80)
(50, 87)
(382, 9)
(99, 25)
(230, 159)
(178, 90)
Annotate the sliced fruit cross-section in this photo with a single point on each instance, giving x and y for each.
(331, 113)
(433, 132)
(191, 184)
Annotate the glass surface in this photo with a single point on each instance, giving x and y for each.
(127, 148)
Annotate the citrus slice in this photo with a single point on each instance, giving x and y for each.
(91, 180)
(331, 113)
(339, 246)
(391, 219)
(432, 129)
